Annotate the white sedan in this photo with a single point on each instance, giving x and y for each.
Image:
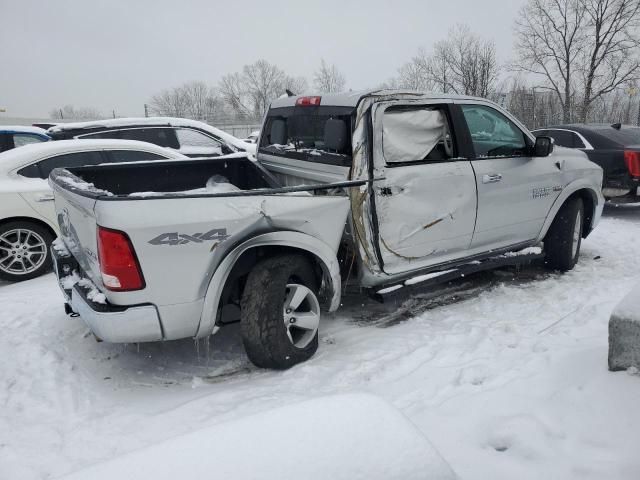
(27, 215)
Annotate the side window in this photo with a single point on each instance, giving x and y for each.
(77, 159)
(118, 156)
(164, 137)
(197, 142)
(562, 138)
(492, 133)
(415, 135)
(577, 142)
(20, 139)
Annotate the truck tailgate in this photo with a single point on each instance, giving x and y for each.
(77, 222)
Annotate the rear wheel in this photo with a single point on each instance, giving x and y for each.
(280, 312)
(24, 250)
(563, 240)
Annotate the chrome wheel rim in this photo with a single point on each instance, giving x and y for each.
(22, 251)
(301, 313)
(577, 231)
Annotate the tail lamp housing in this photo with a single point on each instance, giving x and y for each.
(119, 265)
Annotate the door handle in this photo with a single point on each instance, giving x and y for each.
(492, 178)
(45, 198)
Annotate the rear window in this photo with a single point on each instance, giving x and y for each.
(316, 134)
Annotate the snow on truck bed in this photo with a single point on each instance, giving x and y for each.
(510, 381)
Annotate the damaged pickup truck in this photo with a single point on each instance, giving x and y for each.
(384, 190)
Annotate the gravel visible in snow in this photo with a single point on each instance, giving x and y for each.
(507, 381)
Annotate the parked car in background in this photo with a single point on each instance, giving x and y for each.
(27, 217)
(409, 190)
(616, 148)
(18, 136)
(189, 137)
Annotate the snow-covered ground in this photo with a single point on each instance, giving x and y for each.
(505, 373)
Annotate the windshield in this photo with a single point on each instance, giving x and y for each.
(321, 134)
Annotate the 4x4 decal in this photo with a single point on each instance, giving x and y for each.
(175, 238)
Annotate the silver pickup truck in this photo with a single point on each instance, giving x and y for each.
(384, 190)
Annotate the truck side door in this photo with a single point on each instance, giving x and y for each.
(425, 208)
(515, 189)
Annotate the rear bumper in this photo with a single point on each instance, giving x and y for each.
(115, 324)
(111, 323)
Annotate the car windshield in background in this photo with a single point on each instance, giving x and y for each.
(320, 134)
(625, 136)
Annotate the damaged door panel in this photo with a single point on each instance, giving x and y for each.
(426, 204)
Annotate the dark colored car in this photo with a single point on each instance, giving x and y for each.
(616, 148)
(17, 136)
(189, 137)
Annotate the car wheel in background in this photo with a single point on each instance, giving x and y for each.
(280, 312)
(24, 250)
(563, 240)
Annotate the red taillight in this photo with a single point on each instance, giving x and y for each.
(118, 263)
(632, 159)
(308, 101)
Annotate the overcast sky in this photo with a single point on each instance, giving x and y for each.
(115, 54)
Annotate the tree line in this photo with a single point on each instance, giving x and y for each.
(574, 61)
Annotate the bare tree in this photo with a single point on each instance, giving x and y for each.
(549, 36)
(263, 82)
(251, 91)
(328, 79)
(583, 49)
(463, 63)
(193, 100)
(295, 85)
(232, 89)
(611, 57)
(171, 102)
(415, 74)
(69, 112)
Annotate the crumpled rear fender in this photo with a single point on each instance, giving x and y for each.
(295, 240)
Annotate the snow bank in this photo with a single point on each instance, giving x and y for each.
(351, 436)
(624, 332)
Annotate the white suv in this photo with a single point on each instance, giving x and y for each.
(27, 216)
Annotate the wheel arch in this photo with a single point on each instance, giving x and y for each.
(37, 221)
(593, 204)
(240, 260)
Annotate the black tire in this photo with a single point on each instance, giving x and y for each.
(262, 321)
(44, 263)
(559, 242)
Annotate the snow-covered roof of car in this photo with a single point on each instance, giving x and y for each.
(23, 129)
(351, 99)
(35, 151)
(151, 121)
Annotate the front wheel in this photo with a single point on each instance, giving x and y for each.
(280, 312)
(24, 250)
(563, 240)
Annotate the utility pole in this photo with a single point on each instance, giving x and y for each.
(146, 110)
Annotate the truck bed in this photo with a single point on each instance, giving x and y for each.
(180, 231)
(164, 178)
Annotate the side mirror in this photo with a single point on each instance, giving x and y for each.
(543, 147)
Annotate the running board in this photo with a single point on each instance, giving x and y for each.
(386, 292)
